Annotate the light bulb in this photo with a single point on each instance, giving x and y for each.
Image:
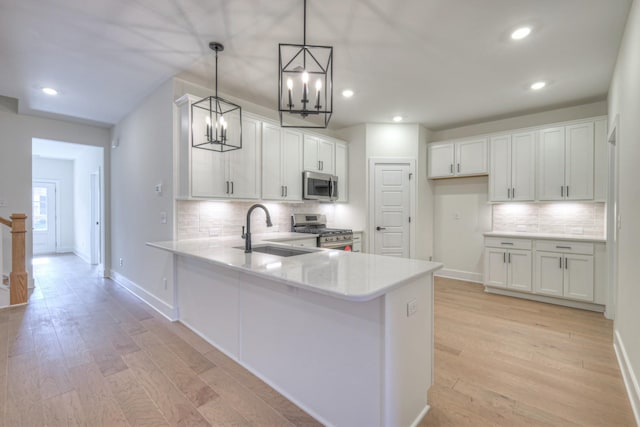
(305, 77)
(290, 84)
(318, 85)
(208, 120)
(222, 120)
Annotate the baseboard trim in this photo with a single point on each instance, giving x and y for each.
(82, 256)
(151, 300)
(64, 250)
(467, 276)
(549, 300)
(420, 416)
(628, 375)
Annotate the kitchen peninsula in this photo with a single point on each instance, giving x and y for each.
(346, 336)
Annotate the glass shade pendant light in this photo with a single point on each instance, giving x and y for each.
(305, 83)
(216, 124)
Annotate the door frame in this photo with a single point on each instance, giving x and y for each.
(56, 212)
(96, 216)
(613, 212)
(373, 162)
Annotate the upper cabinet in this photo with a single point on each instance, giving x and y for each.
(457, 159)
(512, 167)
(342, 171)
(319, 154)
(565, 166)
(281, 163)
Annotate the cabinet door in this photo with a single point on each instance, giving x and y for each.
(342, 172)
(578, 277)
(500, 169)
(495, 267)
(523, 160)
(311, 160)
(471, 158)
(326, 156)
(441, 160)
(272, 167)
(244, 164)
(292, 164)
(579, 148)
(519, 270)
(208, 173)
(549, 273)
(551, 163)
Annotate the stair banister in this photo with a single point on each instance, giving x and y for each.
(18, 278)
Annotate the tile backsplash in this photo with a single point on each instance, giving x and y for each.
(551, 218)
(201, 219)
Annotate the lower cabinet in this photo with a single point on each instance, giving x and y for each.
(565, 275)
(357, 242)
(509, 269)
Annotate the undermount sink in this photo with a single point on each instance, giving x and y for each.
(282, 251)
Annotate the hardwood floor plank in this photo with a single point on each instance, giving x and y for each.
(108, 360)
(64, 410)
(172, 403)
(219, 414)
(136, 405)
(24, 401)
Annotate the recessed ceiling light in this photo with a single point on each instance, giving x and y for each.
(49, 91)
(347, 93)
(521, 33)
(538, 85)
(397, 118)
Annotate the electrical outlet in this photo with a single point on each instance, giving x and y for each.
(164, 283)
(456, 215)
(577, 230)
(158, 188)
(163, 217)
(121, 262)
(3, 203)
(412, 307)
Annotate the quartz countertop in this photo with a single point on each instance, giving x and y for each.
(545, 236)
(346, 275)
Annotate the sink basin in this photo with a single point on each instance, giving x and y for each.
(283, 251)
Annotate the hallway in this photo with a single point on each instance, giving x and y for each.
(86, 352)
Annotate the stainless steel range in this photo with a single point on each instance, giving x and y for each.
(332, 238)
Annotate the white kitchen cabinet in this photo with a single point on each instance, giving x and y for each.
(508, 268)
(357, 241)
(457, 159)
(549, 273)
(565, 166)
(244, 164)
(319, 154)
(512, 167)
(281, 163)
(342, 171)
(565, 274)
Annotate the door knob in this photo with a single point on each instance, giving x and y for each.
(380, 228)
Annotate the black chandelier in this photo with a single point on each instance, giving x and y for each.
(301, 66)
(216, 124)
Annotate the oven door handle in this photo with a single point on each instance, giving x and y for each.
(336, 245)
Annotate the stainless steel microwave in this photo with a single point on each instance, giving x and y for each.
(319, 186)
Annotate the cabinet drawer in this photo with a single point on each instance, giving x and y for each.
(507, 243)
(566, 247)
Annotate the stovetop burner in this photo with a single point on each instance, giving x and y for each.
(315, 224)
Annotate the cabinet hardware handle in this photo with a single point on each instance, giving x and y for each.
(563, 247)
(231, 187)
(566, 264)
(282, 191)
(508, 193)
(380, 228)
(451, 168)
(458, 167)
(560, 262)
(506, 243)
(513, 193)
(504, 257)
(227, 192)
(286, 190)
(509, 258)
(562, 191)
(567, 191)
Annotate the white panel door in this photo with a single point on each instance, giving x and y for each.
(272, 167)
(392, 209)
(292, 164)
(326, 156)
(578, 277)
(523, 160)
(44, 217)
(549, 273)
(579, 148)
(471, 157)
(342, 171)
(208, 173)
(500, 168)
(441, 159)
(551, 163)
(244, 164)
(311, 160)
(519, 270)
(495, 267)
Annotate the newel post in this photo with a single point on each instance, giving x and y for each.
(18, 278)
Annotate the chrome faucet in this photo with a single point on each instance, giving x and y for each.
(247, 236)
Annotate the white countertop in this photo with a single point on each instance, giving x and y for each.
(544, 236)
(346, 275)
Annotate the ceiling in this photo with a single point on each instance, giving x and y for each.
(442, 63)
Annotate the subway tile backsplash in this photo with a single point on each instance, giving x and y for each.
(201, 219)
(551, 218)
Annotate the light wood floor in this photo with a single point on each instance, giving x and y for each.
(86, 352)
(511, 362)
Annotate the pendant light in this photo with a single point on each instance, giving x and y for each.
(216, 124)
(305, 83)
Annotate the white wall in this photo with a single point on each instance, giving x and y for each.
(143, 159)
(355, 212)
(60, 171)
(16, 134)
(86, 163)
(624, 100)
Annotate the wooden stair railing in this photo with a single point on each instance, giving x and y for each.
(18, 277)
